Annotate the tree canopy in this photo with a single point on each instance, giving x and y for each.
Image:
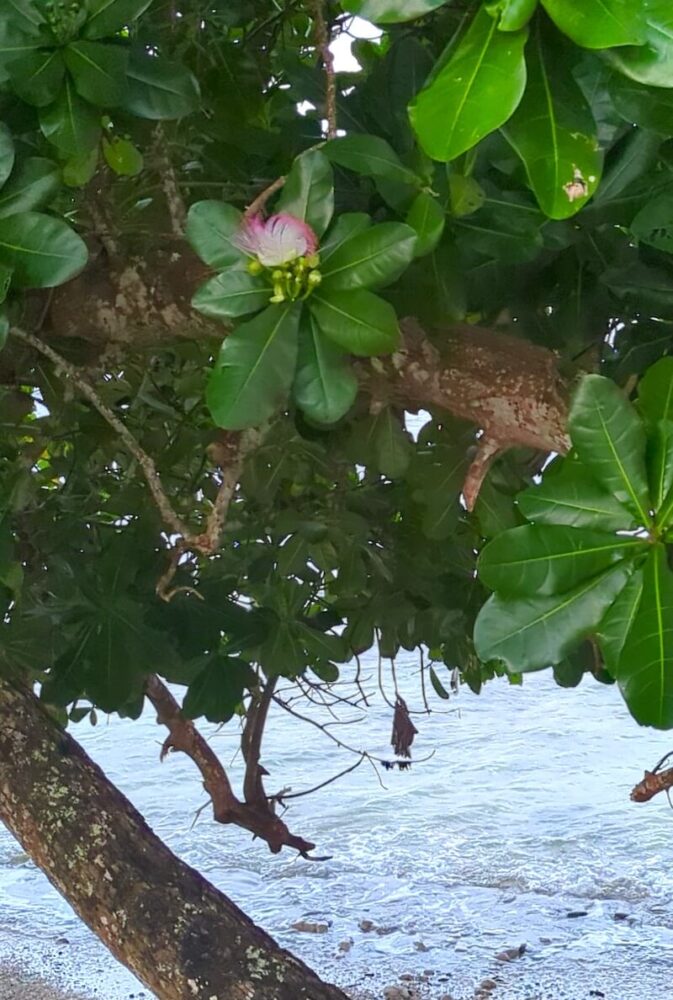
(229, 270)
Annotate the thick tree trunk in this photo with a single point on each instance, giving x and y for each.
(182, 937)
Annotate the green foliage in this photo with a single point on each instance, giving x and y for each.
(505, 163)
(576, 571)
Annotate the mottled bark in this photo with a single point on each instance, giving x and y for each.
(182, 937)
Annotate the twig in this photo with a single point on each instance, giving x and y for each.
(260, 201)
(322, 38)
(282, 796)
(145, 461)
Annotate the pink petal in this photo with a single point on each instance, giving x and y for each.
(279, 240)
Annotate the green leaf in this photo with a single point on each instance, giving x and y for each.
(79, 170)
(232, 293)
(107, 17)
(532, 633)
(32, 185)
(211, 227)
(370, 155)
(466, 195)
(219, 689)
(654, 223)
(644, 670)
(323, 645)
(159, 88)
(25, 15)
(474, 93)
(427, 218)
(393, 11)
(655, 392)
(569, 672)
(71, 124)
(254, 370)
(14, 43)
(570, 495)
(554, 133)
(37, 76)
(616, 623)
(649, 107)
(346, 225)
(6, 153)
(651, 63)
(610, 439)
(99, 71)
(42, 251)
(512, 15)
(599, 24)
(325, 386)
(327, 672)
(550, 559)
(122, 156)
(370, 259)
(358, 321)
(660, 462)
(392, 444)
(628, 162)
(437, 685)
(503, 230)
(308, 193)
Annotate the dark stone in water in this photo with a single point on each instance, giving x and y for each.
(578, 913)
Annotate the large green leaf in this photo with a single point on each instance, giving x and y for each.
(370, 259)
(32, 186)
(660, 462)
(503, 230)
(107, 17)
(370, 155)
(308, 193)
(359, 321)
(159, 88)
(512, 15)
(255, 367)
(14, 42)
(629, 160)
(6, 153)
(232, 293)
(654, 223)
(345, 226)
(554, 133)
(651, 63)
(536, 632)
(655, 392)
(610, 439)
(99, 71)
(218, 690)
(599, 24)
(650, 107)
(474, 93)
(392, 444)
(42, 251)
(211, 227)
(645, 667)
(550, 559)
(393, 11)
(614, 628)
(570, 495)
(427, 218)
(37, 76)
(71, 124)
(325, 386)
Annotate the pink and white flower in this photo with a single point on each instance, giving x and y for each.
(277, 240)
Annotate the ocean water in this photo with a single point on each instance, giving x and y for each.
(520, 817)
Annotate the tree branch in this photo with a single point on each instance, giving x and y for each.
(258, 817)
(653, 782)
(322, 37)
